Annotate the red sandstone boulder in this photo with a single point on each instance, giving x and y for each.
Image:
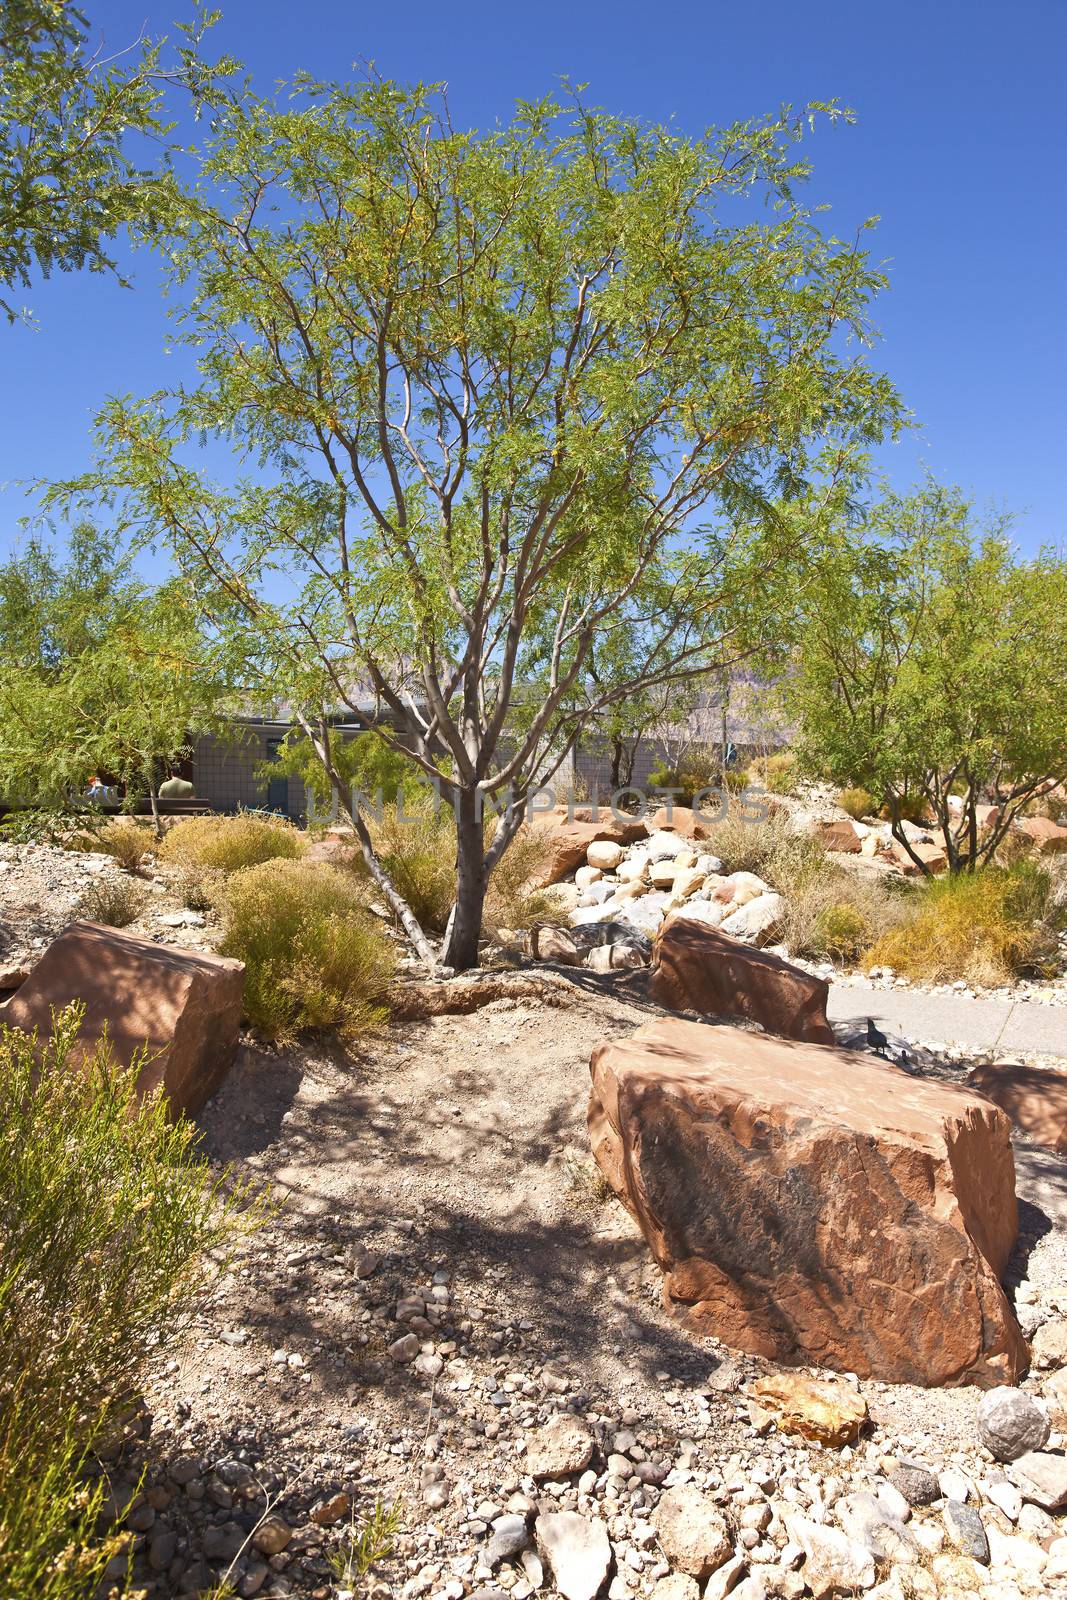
(932, 856)
(696, 967)
(840, 836)
(184, 1006)
(1049, 836)
(1035, 1099)
(681, 820)
(814, 1205)
(567, 836)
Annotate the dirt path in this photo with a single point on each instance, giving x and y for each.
(444, 1174)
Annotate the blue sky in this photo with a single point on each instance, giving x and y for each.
(960, 148)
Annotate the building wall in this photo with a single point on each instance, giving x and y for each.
(224, 771)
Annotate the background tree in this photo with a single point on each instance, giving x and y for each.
(68, 119)
(98, 674)
(931, 662)
(500, 391)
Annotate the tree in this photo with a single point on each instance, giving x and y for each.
(931, 663)
(501, 392)
(98, 674)
(68, 182)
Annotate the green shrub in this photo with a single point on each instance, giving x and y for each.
(105, 1208)
(841, 932)
(696, 773)
(833, 915)
(229, 844)
(315, 957)
(858, 803)
(116, 902)
(987, 927)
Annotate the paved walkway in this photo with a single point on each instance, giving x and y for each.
(1009, 1027)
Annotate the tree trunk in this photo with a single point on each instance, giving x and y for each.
(153, 799)
(465, 924)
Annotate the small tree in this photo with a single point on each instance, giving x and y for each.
(492, 383)
(68, 182)
(931, 664)
(98, 673)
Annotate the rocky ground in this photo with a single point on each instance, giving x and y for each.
(444, 1277)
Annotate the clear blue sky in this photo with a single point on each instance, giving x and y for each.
(960, 148)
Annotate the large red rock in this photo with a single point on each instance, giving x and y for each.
(183, 1006)
(696, 967)
(814, 1205)
(1035, 1099)
(840, 836)
(1049, 836)
(683, 820)
(931, 855)
(567, 836)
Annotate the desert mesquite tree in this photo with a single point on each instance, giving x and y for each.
(506, 395)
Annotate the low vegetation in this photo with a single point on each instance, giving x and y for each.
(105, 1210)
(205, 850)
(229, 844)
(115, 902)
(987, 927)
(858, 803)
(418, 848)
(315, 957)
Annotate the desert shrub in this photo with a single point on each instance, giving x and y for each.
(688, 778)
(418, 850)
(105, 1209)
(787, 859)
(126, 841)
(912, 807)
(116, 902)
(987, 927)
(315, 957)
(857, 803)
(229, 844)
(834, 915)
(419, 853)
(779, 772)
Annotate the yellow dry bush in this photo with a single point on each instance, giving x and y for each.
(229, 844)
(987, 927)
(858, 803)
(315, 957)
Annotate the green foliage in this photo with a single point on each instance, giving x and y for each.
(116, 902)
(371, 1543)
(99, 674)
(315, 957)
(698, 772)
(229, 843)
(364, 762)
(858, 803)
(931, 662)
(68, 180)
(105, 1210)
(501, 389)
(988, 926)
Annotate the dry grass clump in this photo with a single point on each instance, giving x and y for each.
(418, 850)
(116, 902)
(837, 915)
(779, 772)
(230, 844)
(784, 857)
(987, 927)
(127, 842)
(105, 1210)
(857, 803)
(315, 958)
